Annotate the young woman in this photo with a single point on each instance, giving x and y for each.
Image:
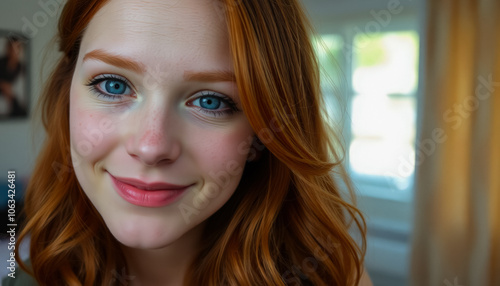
(186, 145)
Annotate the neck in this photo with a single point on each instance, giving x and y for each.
(165, 266)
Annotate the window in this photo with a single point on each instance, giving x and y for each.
(369, 59)
(377, 73)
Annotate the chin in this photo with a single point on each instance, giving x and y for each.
(142, 244)
(144, 232)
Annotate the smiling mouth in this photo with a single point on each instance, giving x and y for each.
(156, 194)
(154, 186)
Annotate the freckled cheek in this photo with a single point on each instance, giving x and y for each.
(92, 133)
(222, 153)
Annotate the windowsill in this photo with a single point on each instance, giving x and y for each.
(384, 187)
(384, 192)
(392, 209)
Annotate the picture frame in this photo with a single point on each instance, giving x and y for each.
(14, 75)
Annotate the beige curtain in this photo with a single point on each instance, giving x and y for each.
(456, 239)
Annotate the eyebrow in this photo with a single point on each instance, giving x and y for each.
(210, 76)
(115, 60)
(130, 64)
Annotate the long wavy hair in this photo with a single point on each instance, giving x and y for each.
(287, 223)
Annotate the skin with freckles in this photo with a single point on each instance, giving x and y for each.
(172, 116)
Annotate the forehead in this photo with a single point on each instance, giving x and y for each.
(159, 30)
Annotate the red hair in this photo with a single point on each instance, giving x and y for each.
(286, 222)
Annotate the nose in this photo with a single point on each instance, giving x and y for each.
(154, 140)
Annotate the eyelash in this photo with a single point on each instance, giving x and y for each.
(92, 84)
(233, 108)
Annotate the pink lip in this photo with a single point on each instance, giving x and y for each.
(156, 194)
(149, 186)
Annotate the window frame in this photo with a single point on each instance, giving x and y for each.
(380, 187)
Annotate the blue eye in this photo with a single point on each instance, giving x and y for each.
(210, 102)
(114, 86)
(214, 104)
(111, 87)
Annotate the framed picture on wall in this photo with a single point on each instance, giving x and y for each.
(14, 75)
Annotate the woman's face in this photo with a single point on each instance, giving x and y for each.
(158, 138)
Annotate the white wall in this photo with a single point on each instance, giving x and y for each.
(38, 21)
